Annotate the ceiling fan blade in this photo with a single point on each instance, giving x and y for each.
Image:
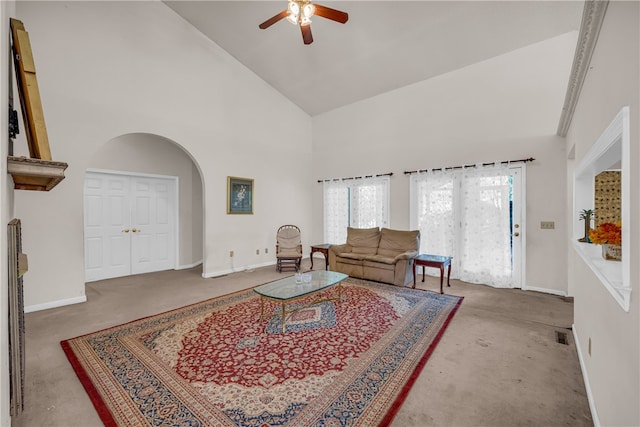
(269, 22)
(306, 34)
(333, 14)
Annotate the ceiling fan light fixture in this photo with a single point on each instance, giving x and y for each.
(294, 12)
(299, 13)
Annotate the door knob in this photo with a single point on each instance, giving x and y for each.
(516, 234)
(135, 230)
(516, 225)
(126, 230)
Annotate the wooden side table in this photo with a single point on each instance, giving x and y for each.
(324, 250)
(437, 261)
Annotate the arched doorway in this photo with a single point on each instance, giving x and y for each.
(153, 156)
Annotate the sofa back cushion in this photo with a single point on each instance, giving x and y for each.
(395, 242)
(363, 240)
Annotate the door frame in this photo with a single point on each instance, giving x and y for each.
(520, 179)
(176, 213)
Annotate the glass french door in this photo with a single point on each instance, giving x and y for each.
(474, 215)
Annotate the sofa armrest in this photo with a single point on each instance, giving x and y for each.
(334, 250)
(406, 255)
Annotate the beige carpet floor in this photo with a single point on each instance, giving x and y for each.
(498, 364)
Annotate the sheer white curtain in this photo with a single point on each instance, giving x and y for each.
(466, 213)
(485, 234)
(370, 202)
(434, 211)
(336, 211)
(360, 203)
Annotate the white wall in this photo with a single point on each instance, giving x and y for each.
(500, 109)
(107, 69)
(612, 369)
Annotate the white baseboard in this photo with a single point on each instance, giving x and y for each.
(545, 290)
(219, 273)
(188, 266)
(262, 264)
(585, 377)
(216, 273)
(54, 304)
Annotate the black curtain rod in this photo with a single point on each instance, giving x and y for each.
(530, 159)
(356, 177)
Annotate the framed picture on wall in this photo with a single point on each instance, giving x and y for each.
(239, 195)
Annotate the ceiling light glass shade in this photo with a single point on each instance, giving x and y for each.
(308, 11)
(294, 12)
(294, 8)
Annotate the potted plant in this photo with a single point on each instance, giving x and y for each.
(585, 215)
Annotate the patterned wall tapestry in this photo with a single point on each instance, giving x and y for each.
(607, 197)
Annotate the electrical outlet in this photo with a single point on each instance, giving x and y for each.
(257, 251)
(231, 254)
(547, 225)
(266, 250)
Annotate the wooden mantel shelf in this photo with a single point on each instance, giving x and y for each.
(35, 174)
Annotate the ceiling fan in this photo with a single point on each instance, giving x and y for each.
(299, 12)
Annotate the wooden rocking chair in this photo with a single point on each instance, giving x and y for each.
(288, 248)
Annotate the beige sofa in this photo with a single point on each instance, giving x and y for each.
(383, 255)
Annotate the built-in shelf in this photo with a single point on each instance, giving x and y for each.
(610, 151)
(609, 272)
(35, 174)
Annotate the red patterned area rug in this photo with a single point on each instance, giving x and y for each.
(216, 363)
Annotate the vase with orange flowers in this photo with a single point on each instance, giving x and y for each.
(609, 235)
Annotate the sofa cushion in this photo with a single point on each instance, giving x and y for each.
(395, 242)
(375, 265)
(351, 255)
(353, 270)
(363, 240)
(372, 259)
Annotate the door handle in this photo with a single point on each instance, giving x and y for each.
(516, 234)
(126, 230)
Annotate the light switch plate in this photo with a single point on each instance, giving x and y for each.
(547, 225)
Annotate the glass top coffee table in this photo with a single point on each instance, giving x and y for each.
(289, 289)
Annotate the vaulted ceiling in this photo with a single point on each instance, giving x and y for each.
(385, 45)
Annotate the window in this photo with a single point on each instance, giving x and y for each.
(359, 203)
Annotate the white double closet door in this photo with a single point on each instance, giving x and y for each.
(129, 224)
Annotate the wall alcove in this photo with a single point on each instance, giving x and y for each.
(610, 152)
(155, 155)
